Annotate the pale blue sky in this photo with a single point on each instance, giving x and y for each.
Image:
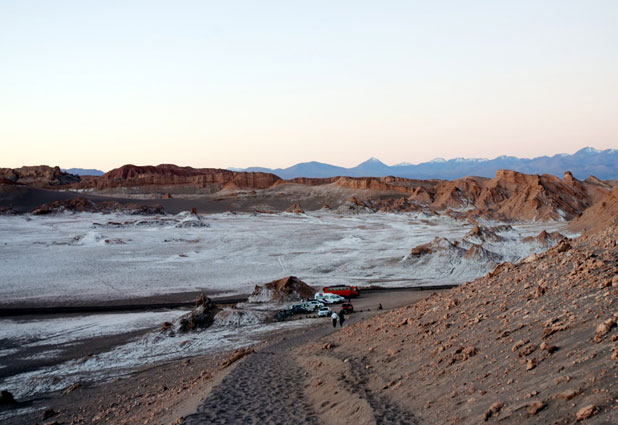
(218, 84)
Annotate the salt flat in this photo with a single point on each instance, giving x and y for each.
(70, 257)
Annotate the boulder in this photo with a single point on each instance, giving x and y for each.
(201, 317)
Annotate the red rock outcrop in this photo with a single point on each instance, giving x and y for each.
(168, 174)
(510, 195)
(287, 289)
(39, 176)
(396, 184)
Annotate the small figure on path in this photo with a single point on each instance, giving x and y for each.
(380, 306)
(341, 318)
(334, 316)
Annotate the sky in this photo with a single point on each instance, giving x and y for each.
(99, 84)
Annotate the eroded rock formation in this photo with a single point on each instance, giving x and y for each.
(289, 288)
(509, 195)
(40, 176)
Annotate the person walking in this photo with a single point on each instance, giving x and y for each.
(334, 316)
(341, 318)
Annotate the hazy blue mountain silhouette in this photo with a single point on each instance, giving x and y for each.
(304, 169)
(583, 163)
(83, 171)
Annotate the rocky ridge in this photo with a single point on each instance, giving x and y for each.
(168, 174)
(39, 176)
(507, 196)
(81, 204)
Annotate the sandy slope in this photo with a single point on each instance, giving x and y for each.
(527, 344)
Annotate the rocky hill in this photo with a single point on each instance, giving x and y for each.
(39, 176)
(508, 196)
(173, 175)
(530, 343)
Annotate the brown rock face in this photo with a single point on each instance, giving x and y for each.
(286, 289)
(512, 195)
(508, 196)
(169, 174)
(40, 176)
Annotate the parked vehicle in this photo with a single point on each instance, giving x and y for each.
(344, 291)
(282, 315)
(327, 298)
(300, 309)
(324, 312)
(316, 303)
(347, 308)
(307, 305)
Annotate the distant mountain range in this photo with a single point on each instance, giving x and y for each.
(582, 164)
(83, 171)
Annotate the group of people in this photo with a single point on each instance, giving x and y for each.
(340, 317)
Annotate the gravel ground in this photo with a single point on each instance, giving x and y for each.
(267, 388)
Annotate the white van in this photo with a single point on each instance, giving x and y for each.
(328, 298)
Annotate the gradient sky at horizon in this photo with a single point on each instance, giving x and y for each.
(235, 84)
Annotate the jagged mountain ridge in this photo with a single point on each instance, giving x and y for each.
(509, 195)
(583, 163)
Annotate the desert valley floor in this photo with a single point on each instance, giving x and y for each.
(84, 258)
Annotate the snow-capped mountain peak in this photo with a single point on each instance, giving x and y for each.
(588, 149)
(372, 162)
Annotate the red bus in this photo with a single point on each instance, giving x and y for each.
(344, 291)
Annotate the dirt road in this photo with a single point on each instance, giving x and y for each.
(267, 388)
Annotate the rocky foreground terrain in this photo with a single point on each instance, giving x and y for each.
(535, 342)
